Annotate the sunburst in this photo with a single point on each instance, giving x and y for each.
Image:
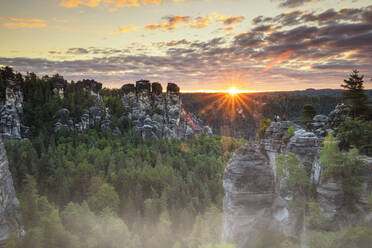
(233, 91)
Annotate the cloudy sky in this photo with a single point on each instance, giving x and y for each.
(255, 45)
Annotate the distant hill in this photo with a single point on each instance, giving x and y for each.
(314, 92)
(242, 119)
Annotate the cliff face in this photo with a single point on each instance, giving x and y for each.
(255, 201)
(11, 113)
(155, 114)
(9, 219)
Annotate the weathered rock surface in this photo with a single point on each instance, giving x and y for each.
(58, 87)
(9, 218)
(251, 172)
(155, 114)
(322, 124)
(11, 113)
(249, 185)
(276, 212)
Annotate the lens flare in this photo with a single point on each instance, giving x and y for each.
(233, 91)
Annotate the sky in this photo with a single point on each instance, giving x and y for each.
(202, 45)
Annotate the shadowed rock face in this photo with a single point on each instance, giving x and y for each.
(173, 88)
(264, 203)
(254, 197)
(249, 185)
(9, 219)
(90, 85)
(11, 113)
(143, 86)
(58, 87)
(157, 89)
(128, 88)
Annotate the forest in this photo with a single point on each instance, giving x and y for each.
(99, 189)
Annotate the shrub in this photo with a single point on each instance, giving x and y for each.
(264, 124)
(355, 133)
(344, 166)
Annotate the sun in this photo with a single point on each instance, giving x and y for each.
(233, 91)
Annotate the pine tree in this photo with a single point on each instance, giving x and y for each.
(356, 95)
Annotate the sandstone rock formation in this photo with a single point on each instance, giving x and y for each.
(58, 87)
(249, 185)
(322, 124)
(155, 114)
(254, 199)
(9, 219)
(11, 113)
(90, 86)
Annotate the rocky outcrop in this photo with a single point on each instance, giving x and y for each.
(249, 184)
(152, 113)
(90, 86)
(275, 212)
(11, 113)
(58, 87)
(322, 124)
(155, 114)
(93, 116)
(255, 199)
(9, 218)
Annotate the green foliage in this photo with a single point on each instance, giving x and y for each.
(355, 133)
(94, 189)
(308, 113)
(346, 167)
(358, 236)
(112, 100)
(315, 218)
(291, 131)
(269, 238)
(292, 176)
(355, 93)
(264, 124)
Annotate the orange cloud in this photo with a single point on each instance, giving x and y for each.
(113, 5)
(228, 20)
(15, 19)
(125, 29)
(170, 23)
(278, 60)
(18, 25)
(200, 22)
(76, 3)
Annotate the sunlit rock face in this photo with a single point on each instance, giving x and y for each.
(9, 218)
(11, 113)
(155, 114)
(247, 176)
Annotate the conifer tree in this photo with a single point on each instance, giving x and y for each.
(356, 95)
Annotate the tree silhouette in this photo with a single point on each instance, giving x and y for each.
(356, 95)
